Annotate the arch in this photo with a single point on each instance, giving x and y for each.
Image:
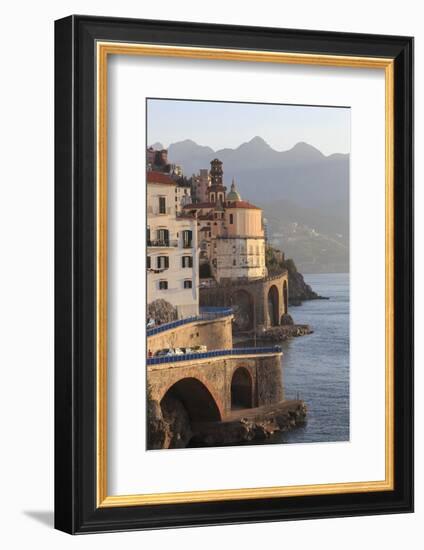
(242, 304)
(241, 389)
(285, 297)
(195, 398)
(273, 305)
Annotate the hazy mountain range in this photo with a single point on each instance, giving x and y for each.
(304, 194)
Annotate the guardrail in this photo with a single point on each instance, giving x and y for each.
(214, 353)
(206, 314)
(216, 309)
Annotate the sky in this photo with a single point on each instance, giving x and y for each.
(220, 125)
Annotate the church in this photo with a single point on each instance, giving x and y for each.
(230, 231)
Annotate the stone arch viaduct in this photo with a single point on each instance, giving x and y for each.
(211, 387)
(257, 303)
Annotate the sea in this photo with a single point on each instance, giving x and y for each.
(316, 366)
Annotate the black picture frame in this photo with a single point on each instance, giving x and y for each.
(76, 508)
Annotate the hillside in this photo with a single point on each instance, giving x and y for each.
(304, 194)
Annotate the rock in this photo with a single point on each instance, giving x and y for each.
(286, 319)
(281, 333)
(178, 421)
(158, 433)
(298, 289)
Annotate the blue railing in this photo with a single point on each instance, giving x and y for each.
(213, 353)
(206, 314)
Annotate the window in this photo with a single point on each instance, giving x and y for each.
(163, 285)
(148, 262)
(187, 261)
(162, 262)
(188, 284)
(234, 263)
(231, 218)
(163, 237)
(162, 205)
(148, 236)
(187, 238)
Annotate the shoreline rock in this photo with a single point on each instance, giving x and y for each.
(169, 429)
(252, 426)
(281, 333)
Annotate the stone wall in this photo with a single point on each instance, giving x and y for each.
(215, 334)
(270, 383)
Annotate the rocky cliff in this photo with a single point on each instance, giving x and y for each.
(299, 290)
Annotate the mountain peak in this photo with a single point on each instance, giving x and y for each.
(305, 148)
(186, 142)
(256, 142)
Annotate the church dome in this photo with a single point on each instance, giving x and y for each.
(233, 195)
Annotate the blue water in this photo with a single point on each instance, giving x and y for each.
(316, 367)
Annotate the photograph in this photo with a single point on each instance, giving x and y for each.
(233, 272)
(247, 273)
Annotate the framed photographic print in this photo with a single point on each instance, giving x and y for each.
(233, 272)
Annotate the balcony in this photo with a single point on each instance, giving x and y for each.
(163, 244)
(188, 244)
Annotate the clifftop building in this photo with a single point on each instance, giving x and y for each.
(172, 252)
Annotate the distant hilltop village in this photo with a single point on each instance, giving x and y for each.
(208, 247)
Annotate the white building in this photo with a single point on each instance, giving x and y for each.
(239, 258)
(172, 253)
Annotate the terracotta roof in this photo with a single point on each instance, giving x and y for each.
(159, 177)
(241, 204)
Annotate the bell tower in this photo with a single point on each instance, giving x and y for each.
(216, 190)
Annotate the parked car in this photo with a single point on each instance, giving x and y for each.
(151, 322)
(199, 349)
(186, 350)
(178, 351)
(166, 352)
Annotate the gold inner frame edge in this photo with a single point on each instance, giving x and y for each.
(103, 49)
